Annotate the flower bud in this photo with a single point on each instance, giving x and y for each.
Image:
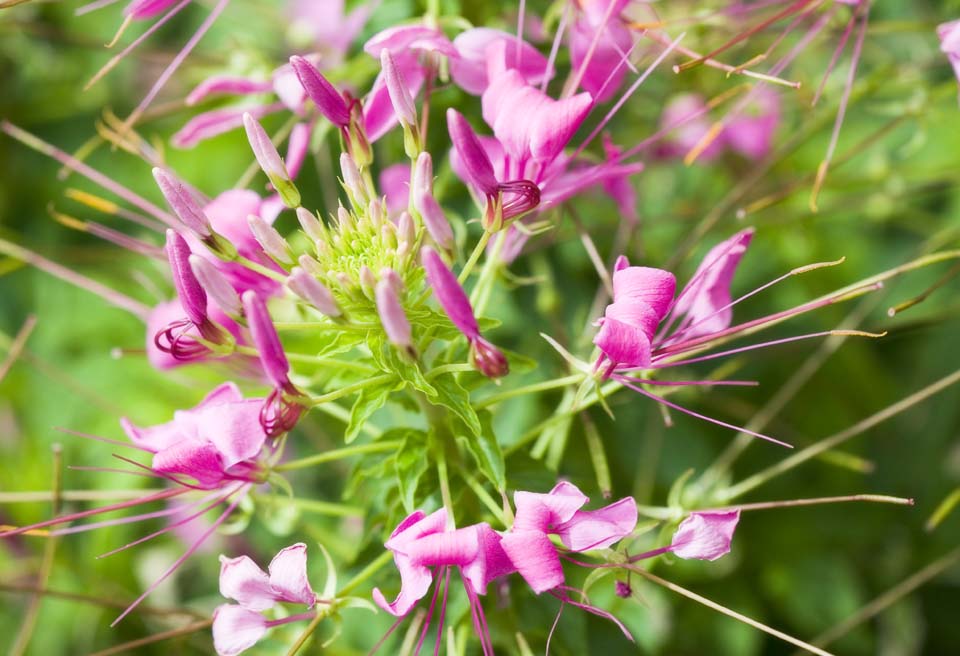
(192, 297)
(216, 285)
(272, 241)
(398, 90)
(311, 224)
(488, 359)
(475, 160)
(183, 204)
(271, 162)
(313, 292)
(368, 281)
(392, 316)
(310, 265)
(328, 100)
(352, 181)
(345, 219)
(266, 340)
(406, 230)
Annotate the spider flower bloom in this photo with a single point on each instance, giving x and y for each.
(646, 328)
(178, 338)
(486, 357)
(421, 542)
(282, 408)
(502, 201)
(949, 34)
(558, 512)
(599, 43)
(237, 627)
(214, 449)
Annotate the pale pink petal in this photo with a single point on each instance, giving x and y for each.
(469, 70)
(606, 69)
(596, 529)
(298, 143)
(226, 84)
(705, 299)
(244, 582)
(705, 535)
(541, 512)
(215, 122)
(395, 185)
(234, 428)
(409, 37)
(751, 132)
(236, 629)
(288, 576)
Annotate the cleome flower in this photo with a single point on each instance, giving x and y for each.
(237, 627)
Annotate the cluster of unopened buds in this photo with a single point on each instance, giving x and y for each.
(359, 281)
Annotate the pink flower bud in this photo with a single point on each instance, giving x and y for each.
(182, 203)
(191, 294)
(475, 161)
(392, 316)
(398, 90)
(267, 236)
(216, 285)
(705, 535)
(266, 340)
(313, 292)
(350, 174)
(329, 102)
(270, 161)
(310, 224)
(310, 265)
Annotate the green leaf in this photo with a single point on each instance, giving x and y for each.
(451, 395)
(390, 360)
(410, 465)
(486, 451)
(370, 400)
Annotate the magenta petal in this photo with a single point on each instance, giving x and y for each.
(491, 563)
(535, 557)
(234, 428)
(623, 344)
(217, 121)
(288, 576)
(705, 535)
(458, 547)
(655, 287)
(705, 299)
(596, 529)
(450, 294)
(244, 582)
(236, 629)
(199, 459)
(409, 37)
(472, 158)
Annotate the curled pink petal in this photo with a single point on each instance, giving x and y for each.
(244, 582)
(705, 535)
(597, 529)
(535, 557)
(288, 576)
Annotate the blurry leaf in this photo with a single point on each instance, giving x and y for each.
(486, 451)
(452, 395)
(410, 464)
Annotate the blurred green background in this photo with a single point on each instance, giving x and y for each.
(801, 570)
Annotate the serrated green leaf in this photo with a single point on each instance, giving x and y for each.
(452, 396)
(369, 400)
(390, 360)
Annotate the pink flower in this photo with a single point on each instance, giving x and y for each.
(473, 50)
(236, 628)
(217, 441)
(328, 27)
(484, 355)
(604, 72)
(558, 512)
(705, 535)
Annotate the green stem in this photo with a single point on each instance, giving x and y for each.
(448, 369)
(474, 257)
(556, 383)
(349, 389)
(835, 440)
(339, 454)
(365, 574)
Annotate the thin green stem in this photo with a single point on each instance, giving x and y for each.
(349, 389)
(262, 270)
(314, 506)
(837, 439)
(339, 454)
(484, 496)
(556, 383)
(456, 367)
(474, 257)
(366, 573)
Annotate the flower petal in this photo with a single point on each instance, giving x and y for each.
(236, 629)
(535, 557)
(596, 529)
(288, 576)
(705, 535)
(541, 512)
(244, 582)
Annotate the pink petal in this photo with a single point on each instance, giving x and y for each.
(378, 114)
(199, 459)
(623, 344)
(288, 576)
(491, 563)
(395, 185)
(234, 428)
(458, 547)
(226, 84)
(751, 132)
(298, 143)
(596, 529)
(449, 294)
(705, 535)
(706, 296)
(654, 287)
(409, 37)
(604, 70)
(540, 512)
(236, 629)
(243, 581)
(215, 122)
(469, 70)
(535, 558)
